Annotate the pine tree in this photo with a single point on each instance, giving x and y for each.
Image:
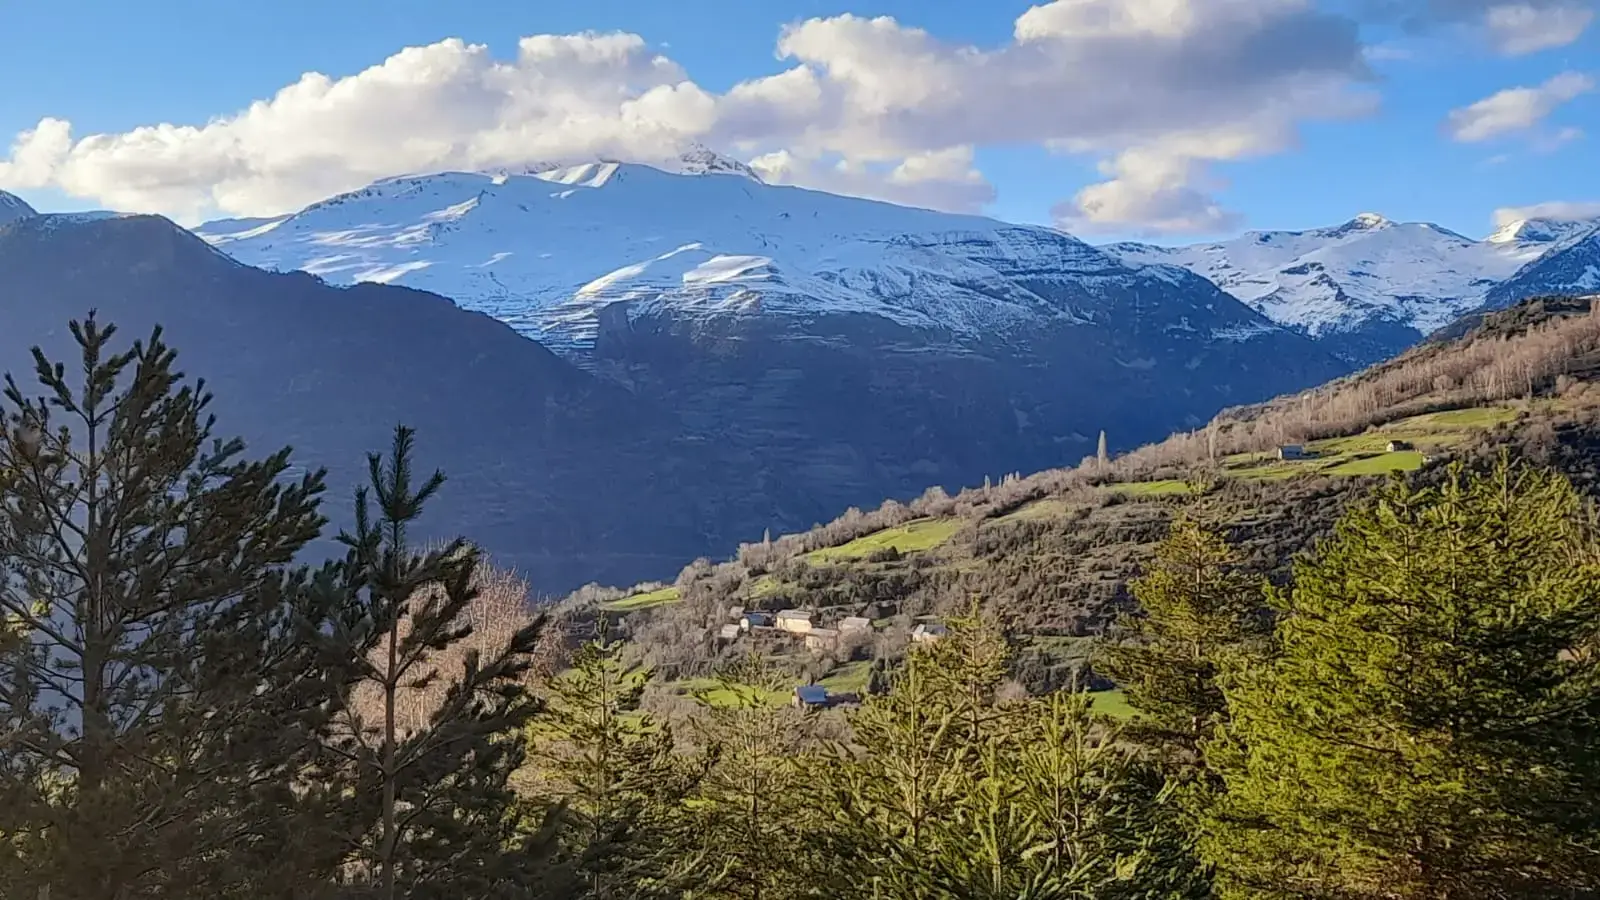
(889, 796)
(1432, 728)
(159, 700)
(1198, 607)
(615, 773)
(966, 668)
(437, 815)
(1059, 809)
(750, 809)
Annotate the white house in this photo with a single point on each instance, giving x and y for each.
(855, 624)
(797, 621)
(928, 631)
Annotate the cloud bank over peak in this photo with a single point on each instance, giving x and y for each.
(1156, 90)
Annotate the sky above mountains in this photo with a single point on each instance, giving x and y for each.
(1167, 119)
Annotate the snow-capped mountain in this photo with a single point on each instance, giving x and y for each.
(13, 208)
(1572, 266)
(1367, 288)
(859, 348)
(549, 252)
(1541, 231)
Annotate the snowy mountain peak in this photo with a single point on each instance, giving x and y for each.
(702, 160)
(13, 208)
(1541, 231)
(1371, 284)
(559, 253)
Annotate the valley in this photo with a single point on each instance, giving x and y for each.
(1052, 553)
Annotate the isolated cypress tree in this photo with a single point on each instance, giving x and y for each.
(614, 772)
(437, 815)
(1432, 728)
(1198, 608)
(158, 700)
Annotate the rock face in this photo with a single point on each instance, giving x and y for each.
(1366, 289)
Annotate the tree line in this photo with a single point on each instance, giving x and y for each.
(189, 710)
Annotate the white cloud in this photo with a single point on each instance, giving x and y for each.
(1521, 28)
(1515, 109)
(943, 179)
(1560, 210)
(866, 106)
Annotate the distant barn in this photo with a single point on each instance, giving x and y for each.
(1398, 445)
(1292, 451)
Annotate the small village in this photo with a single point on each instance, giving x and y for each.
(802, 627)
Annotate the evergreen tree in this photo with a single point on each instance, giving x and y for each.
(1059, 809)
(1432, 728)
(615, 773)
(1198, 607)
(158, 698)
(750, 809)
(436, 815)
(966, 668)
(1041, 800)
(895, 784)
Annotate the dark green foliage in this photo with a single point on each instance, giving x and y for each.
(951, 792)
(752, 811)
(1198, 609)
(435, 814)
(1432, 728)
(160, 702)
(614, 774)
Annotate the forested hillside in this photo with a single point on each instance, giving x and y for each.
(1051, 553)
(1331, 685)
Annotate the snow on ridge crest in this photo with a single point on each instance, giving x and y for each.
(1367, 271)
(547, 252)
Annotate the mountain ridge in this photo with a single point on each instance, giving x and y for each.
(608, 233)
(1370, 287)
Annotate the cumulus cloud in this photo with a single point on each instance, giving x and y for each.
(1511, 27)
(941, 179)
(1523, 28)
(1559, 210)
(1517, 109)
(1158, 89)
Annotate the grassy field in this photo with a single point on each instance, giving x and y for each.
(850, 678)
(1112, 703)
(1166, 487)
(646, 600)
(1048, 508)
(715, 694)
(1355, 455)
(1378, 464)
(912, 537)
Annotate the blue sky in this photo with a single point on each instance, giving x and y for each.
(110, 68)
